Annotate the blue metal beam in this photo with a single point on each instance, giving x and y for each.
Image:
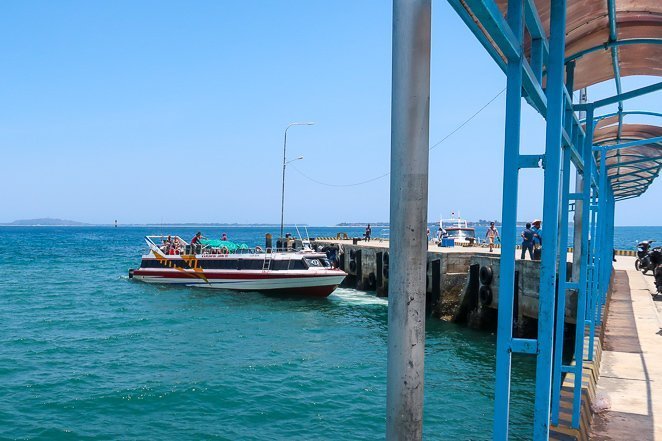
(553, 142)
(639, 170)
(636, 161)
(502, 38)
(624, 145)
(637, 184)
(610, 44)
(627, 112)
(615, 63)
(490, 17)
(563, 286)
(621, 97)
(478, 33)
(618, 198)
(582, 293)
(509, 225)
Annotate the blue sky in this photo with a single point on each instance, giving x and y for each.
(158, 111)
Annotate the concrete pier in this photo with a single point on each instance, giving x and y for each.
(455, 289)
(629, 388)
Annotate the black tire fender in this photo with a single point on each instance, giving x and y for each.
(485, 295)
(486, 275)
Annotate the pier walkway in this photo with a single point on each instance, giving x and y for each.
(630, 382)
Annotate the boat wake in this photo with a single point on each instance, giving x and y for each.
(354, 297)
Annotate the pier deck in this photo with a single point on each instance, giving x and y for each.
(630, 382)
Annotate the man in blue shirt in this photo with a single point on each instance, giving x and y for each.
(527, 242)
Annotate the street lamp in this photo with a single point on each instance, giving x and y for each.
(285, 162)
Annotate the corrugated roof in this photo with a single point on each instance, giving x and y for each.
(631, 169)
(606, 39)
(587, 26)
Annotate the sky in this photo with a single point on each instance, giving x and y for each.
(164, 111)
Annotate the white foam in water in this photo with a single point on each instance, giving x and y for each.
(357, 297)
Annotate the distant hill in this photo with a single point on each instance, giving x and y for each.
(46, 221)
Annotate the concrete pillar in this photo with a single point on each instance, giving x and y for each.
(410, 112)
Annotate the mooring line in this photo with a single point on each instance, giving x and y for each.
(328, 184)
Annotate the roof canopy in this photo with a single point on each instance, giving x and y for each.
(605, 40)
(637, 23)
(631, 169)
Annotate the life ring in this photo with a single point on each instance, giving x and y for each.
(258, 249)
(225, 250)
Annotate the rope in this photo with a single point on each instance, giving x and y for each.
(354, 184)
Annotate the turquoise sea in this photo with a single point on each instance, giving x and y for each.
(86, 353)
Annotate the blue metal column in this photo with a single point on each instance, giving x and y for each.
(563, 253)
(602, 224)
(582, 296)
(563, 286)
(592, 270)
(555, 85)
(509, 227)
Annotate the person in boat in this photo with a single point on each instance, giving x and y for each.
(195, 242)
(165, 246)
(491, 235)
(368, 233)
(527, 242)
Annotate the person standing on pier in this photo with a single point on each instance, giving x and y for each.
(527, 242)
(491, 235)
(368, 233)
(537, 238)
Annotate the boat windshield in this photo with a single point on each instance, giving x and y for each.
(457, 233)
(317, 262)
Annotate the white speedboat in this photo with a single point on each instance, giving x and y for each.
(458, 229)
(224, 266)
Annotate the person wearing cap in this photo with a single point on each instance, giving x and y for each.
(537, 238)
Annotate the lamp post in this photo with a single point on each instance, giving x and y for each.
(285, 162)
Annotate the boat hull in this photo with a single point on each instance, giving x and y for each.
(303, 283)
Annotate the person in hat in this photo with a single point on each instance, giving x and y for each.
(537, 238)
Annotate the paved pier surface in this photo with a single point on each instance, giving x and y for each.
(630, 382)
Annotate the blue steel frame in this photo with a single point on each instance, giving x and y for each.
(567, 142)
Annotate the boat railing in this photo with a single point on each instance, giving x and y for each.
(159, 245)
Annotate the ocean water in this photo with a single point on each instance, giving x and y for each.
(86, 353)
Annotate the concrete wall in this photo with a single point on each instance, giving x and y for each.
(448, 281)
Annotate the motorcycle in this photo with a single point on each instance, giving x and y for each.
(656, 261)
(643, 262)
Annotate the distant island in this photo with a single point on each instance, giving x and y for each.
(45, 222)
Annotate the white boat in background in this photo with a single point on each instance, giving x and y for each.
(222, 266)
(457, 228)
